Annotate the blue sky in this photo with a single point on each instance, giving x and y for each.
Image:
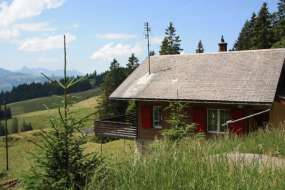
(98, 31)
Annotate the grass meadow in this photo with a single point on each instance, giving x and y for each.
(38, 111)
(201, 164)
(51, 102)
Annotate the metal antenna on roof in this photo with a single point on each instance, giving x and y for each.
(147, 31)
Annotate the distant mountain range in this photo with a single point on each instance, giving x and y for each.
(55, 73)
(8, 79)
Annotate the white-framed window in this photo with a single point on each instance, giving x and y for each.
(215, 120)
(156, 117)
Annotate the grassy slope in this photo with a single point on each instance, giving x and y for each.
(21, 149)
(20, 146)
(34, 111)
(39, 104)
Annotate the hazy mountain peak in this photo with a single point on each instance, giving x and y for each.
(56, 73)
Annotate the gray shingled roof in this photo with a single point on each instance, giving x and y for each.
(240, 76)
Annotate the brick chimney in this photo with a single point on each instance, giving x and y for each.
(223, 46)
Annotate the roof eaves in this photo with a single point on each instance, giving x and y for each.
(198, 101)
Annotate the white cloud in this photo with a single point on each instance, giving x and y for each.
(34, 27)
(115, 36)
(7, 34)
(118, 51)
(19, 10)
(156, 40)
(40, 44)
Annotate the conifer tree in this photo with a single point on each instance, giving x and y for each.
(112, 80)
(62, 163)
(133, 63)
(279, 26)
(245, 39)
(171, 41)
(200, 48)
(281, 9)
(263, 34)
(152, 53)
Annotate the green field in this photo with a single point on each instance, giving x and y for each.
(21, 149)
(38, 111)
(39, 104)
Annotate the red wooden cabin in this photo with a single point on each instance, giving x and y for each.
(225, 91)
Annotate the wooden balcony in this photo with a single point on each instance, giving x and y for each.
(120, 127)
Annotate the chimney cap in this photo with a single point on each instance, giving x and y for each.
(222, 39)
(223, 45)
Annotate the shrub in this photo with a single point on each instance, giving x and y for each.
(179, 126)
(177, 133)
(2, 129)
(26, 127)
(14, 128)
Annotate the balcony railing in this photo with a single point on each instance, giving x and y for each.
(121, 127)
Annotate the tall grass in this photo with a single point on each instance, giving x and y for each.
(196, 164)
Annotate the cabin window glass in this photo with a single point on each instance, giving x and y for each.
(156, 117)
(216, 119)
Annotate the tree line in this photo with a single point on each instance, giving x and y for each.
(112, 79)
(36, 89)
(263, 30)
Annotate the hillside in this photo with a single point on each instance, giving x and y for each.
(39, 104)
(38, 111)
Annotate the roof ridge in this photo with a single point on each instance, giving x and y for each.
(225, 52)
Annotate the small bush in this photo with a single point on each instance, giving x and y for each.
(180, 127)
(14, 128)
(177, 133)
(26, 127)
(2, 130)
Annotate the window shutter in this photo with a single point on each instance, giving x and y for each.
(146, 116)
(238, 127)
(199, 116)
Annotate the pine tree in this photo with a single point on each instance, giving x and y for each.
(281, 9)
(152, 53)
(114, 65)
(263, 34)
(62, 163)
(200, 48)
(245, 39)
(133, 63)
(112, 80)
(279, 26)
(171, 41)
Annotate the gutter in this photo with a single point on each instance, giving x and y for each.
(196, 101)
